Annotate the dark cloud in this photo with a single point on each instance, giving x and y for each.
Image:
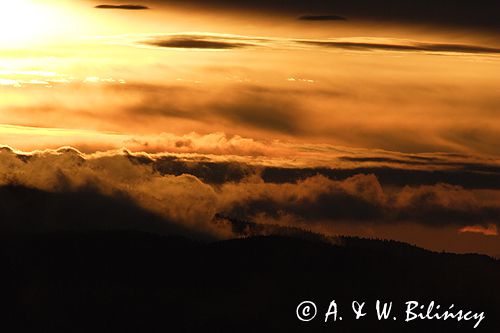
(419, 160)
(392, 176)
(444, 204)
(422, 47)
(262, 113)
(202, 41)
(456, 13)
(195, 43)
(125, 7)
(322, 18)
(256, 108)
(335, 205)
(359, 199)
(216, 173)
(402, 172)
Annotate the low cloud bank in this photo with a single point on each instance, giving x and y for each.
(190, 200)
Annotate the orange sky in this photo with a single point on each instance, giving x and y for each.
(268, 83)
(283, 91)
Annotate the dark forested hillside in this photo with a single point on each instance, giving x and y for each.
(133, 281)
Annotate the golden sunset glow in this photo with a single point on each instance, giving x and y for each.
(26, 22)
(403, 109)
(249, 165)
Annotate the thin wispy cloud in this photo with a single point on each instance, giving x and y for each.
(227, 41)
(124, 7)
(322, 18)
(404, 47)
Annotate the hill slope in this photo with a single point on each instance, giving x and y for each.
(134, 281)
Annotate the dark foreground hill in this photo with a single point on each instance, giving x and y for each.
(118, 281)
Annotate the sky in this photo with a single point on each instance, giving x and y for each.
(368, 118)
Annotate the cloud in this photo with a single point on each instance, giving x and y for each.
(254, 107)
(158, 182)
(322, 18)
(410, 47)
(453, 13)
(360, 116)
(359, 199)
(188, 196)
(183, 200)
(490, 230)
(334, 107)
(195, 43)
(391, 176)
(200, 41)
(227, 41)
(348, 115)
(125, 7)
(232, 159)
(218, 157)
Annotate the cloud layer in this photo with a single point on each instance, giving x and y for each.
(405, 47)
(218, 41)
(191, 195)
